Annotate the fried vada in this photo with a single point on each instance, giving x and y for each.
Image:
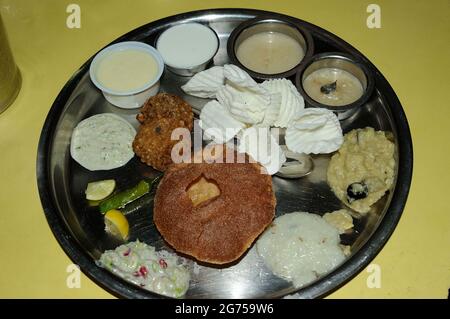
(160, 115)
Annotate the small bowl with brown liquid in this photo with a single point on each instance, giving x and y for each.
(268, 47)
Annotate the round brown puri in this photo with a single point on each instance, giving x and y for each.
(220, 230)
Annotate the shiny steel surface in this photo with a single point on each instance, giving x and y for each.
(80, 229)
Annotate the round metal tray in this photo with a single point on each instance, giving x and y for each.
(80, 229)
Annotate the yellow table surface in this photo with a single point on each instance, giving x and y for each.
(411, 49)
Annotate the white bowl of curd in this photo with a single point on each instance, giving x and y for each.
(187, 48)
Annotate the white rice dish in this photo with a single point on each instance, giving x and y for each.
(102, 142)
(300, 247)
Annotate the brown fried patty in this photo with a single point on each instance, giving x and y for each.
(218, 231)
(160, 115)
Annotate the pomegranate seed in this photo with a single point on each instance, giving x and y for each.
(163, 263)
(127, 252)
(143, 271)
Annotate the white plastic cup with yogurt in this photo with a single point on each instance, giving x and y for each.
(127, 73)
(187, 48)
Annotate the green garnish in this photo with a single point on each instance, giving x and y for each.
(121, 199)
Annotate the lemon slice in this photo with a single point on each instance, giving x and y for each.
(116, 224)
(100, 190)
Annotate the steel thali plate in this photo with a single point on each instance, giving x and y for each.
(80, 231)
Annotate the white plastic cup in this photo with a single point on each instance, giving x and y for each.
(188, 48)
(129, 99)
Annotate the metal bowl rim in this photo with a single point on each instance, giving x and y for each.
(263, 19)
(335, 55)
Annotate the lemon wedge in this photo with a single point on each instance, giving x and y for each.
(100, 190)
(117, 224)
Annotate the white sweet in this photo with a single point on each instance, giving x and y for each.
(205, 84)
(300, 247)
(217, 123)
(262, 146)
(292, 102)
(314, 131)
(244, 105)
